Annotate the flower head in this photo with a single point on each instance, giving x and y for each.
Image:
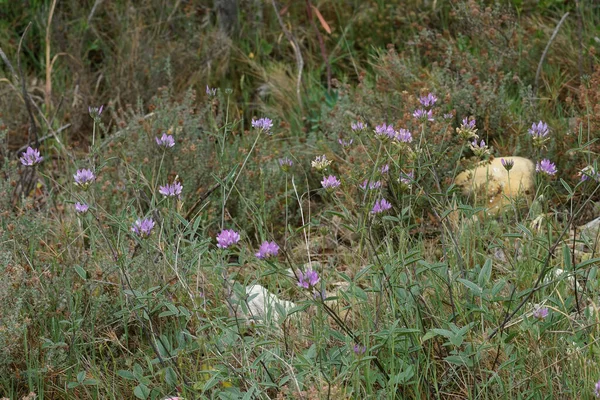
(429, 100)
(31, 157)
(385, 131)
(171, 190)
(589, 173)
(358, 126)
(143, 227)
(546, 167)
(403, 136)
(422, 114)
(480, 149)
(320, 163)
(165, 141)
(345, 143)
(226, 238)
(267, 249)
(211, 92)
(81, 208)
(285, 164)
(330, 182)
(385, 168)
(406, 179)
(597, 389)
(84, 177)
(448, 116)
(371, 185)
(359, 349)
(507, 164)
(539, 130)
(380, 206)
(95, 111)
(264, 124)
(540, 312)
(308, 279)
(468, 129)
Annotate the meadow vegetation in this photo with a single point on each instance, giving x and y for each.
(197, 204)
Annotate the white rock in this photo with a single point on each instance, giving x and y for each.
(262, 305)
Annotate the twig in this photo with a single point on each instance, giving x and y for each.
(26, 98)
(296, 46)
(93, 10)
(48, 89)
(201, 199)
(539, 68)
(43, 138)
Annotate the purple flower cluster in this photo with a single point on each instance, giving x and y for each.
(539, 133)
(171, 190)
(540, 313)
(507, 164)
(84, 177)
(285, 164)
(429, 100)
(264, 124)
(371, 185)
(358, 126)
(31, 157)
(267, 249)
(330, 182)
(546, 167)
(226, 238)
(308, 279)
(468, 129)
(422, 114)
(406, 179)
(211, 92)
(359, 349)
(597, 389)
(403, 136)
(143, 227)
(81, 208)
(385, 130)
(480, 149)
(385, 169)
(380, 206)
(589, 173)
(95, 111)
(165, 141)
(345, 143)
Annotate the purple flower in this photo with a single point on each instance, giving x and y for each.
(309, 279)
(385, 168)
(165, 140)
(95, 111)
(359, 349)
(285, 164)
(264, 124)
(429, 100)
(83, 178)
(468, 129)
(320, 163)
(226, 238)
(385, 130)
(541, 312)
(597, 389)
(31, 157)
(546, 167)
(403, 135)
(143, 227)
(211, 92)
(330, 182)
(406, 179)
(507, 164)
(480, 149)
(171, 190)
(469, 123)
(81, 207)
(345, 143)
(267, 249)
(589, 172)
(423, 114)
(371, 185)
(448, 116)
(358, 126)
(380, 206)
(539, 130)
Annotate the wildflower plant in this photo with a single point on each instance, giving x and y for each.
(546, 167)
(227, 238)
(31, 157)
(84, 177)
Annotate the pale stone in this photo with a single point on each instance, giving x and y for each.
(262, 305)
(491, 185)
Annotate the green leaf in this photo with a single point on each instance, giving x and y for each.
(141, 391)
(81, 376)
(403, 377)
(472, 286)
(72, 385)
(566, 186)
(170, 376)
(81, 272)
(485, 273)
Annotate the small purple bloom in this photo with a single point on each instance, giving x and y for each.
(211, 92)
(468, 129)
(469, 123)
(345, 143)
(448, 116)
(320, 163)
(330, 182)
(359, 349)
(541, 312)
(264, 124)
(380, 206)
(589, 172)
(226, 238)
(308, 279)
(546, 167)
(267, 249)
(507, 164)
(371, 185)
(358, 126)
(81, 207)
(539, 130)
(385, 168)
(83, 177)
(31, 157)
(143, 227)
(597, 389)
(95, 111)
(403, 135)
(480, 149)
(406, 179)
(423, 114)
(429, 100)
(165, 140)
(171, 190)
(285, 164)
(385, 130)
